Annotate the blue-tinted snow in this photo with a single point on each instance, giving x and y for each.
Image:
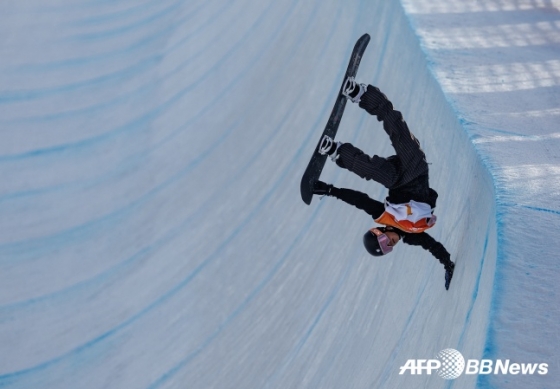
(151, 230)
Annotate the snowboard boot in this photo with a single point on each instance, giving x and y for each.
(352, 90)
(329, 147)
(322, 189)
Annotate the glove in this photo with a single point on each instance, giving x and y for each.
(321, 188)
(449, 268)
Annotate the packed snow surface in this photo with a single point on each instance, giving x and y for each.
(152, 234)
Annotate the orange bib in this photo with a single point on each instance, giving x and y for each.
(412, 217)
(406, 225)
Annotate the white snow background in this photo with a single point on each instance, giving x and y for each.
(151, 229)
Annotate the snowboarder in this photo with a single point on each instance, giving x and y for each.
(408, 209)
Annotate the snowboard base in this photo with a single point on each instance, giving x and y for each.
(317, 162)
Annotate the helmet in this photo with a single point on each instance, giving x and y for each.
(376, 242)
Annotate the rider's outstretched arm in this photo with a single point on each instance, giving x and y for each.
(359, 200)
(430, 244)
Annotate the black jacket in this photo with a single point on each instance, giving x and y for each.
(376, 208)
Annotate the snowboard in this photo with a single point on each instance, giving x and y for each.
(317, 162)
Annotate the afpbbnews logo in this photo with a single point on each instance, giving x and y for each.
(450, 364)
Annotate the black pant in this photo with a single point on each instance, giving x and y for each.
(398, 170)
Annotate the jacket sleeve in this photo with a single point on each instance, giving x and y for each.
(359, 200)
(430, 244)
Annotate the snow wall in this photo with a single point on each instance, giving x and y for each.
(152, 233)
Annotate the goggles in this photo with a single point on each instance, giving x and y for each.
(383, 241)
